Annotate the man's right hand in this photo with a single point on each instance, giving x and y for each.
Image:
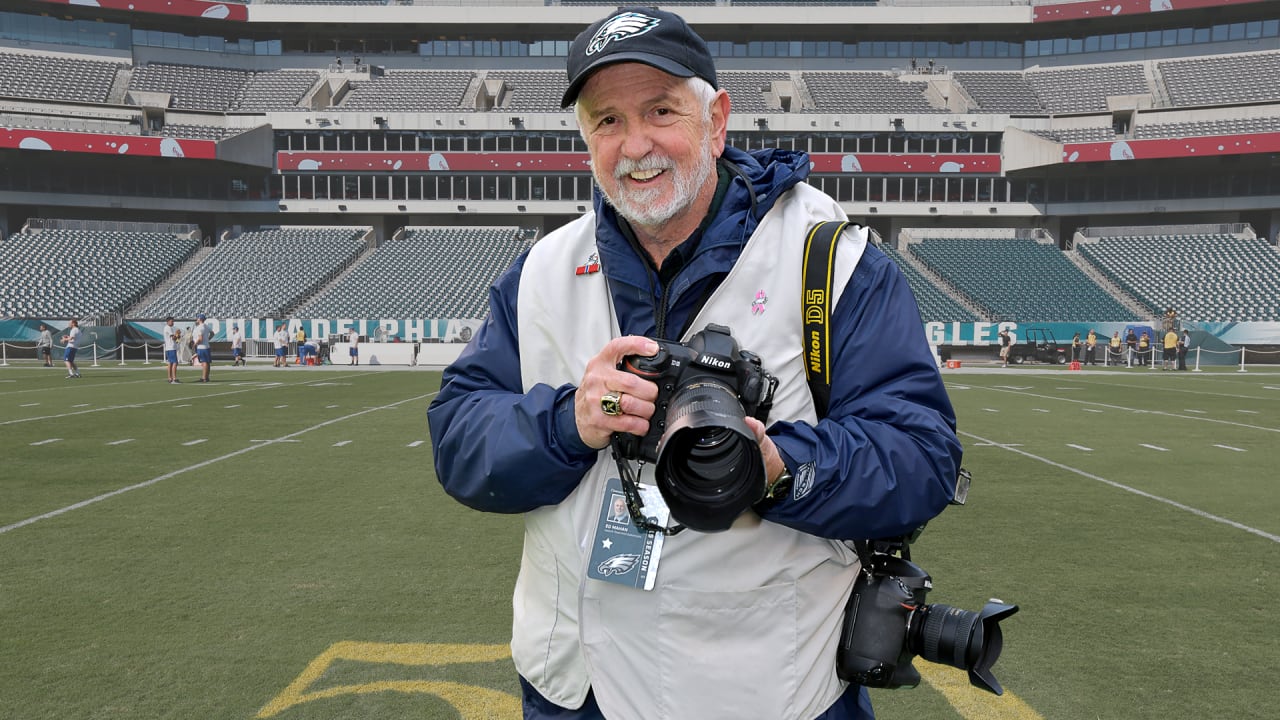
(603, 376)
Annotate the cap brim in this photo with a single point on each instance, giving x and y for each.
(665, 64)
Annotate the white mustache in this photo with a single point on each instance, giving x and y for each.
(650, 162)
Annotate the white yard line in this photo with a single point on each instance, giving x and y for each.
(148, 483)
(1135, 410)
(1120, 486)
(154, 402)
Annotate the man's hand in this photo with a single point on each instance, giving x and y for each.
(773, 464)
(602, 376)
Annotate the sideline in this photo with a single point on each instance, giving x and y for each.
(1123, 408)
(253, 385)
(1121, 486)
(147, 483)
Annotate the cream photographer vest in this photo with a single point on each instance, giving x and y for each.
(741, 624)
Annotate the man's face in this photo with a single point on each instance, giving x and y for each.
(653, 146)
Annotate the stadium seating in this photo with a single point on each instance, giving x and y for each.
(1080, 89)
(1211, 277)
(432, 272)
(260, 273)
(190, 87)
(999, 92)
(935, 304)
(52, 77)
(1247, 77)
(1019, 279)
(274, 90)
(748, 89)
(529, 90)
(75, 273)
(410, 91)
(1224, 126)
(866, 92)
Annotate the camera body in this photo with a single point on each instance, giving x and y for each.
(887, 623)
(708, 464)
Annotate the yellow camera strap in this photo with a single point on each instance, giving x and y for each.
(819, 266)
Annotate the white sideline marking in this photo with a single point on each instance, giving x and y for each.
(102, 408)
(121, 442)
(29, 405)
(991, 444)
(195, 442)
(46, 442)
(330, 407)
(1120, 486)
(1251, 412)
(1092, 410)
(1228, 447)
(1040, 410)
(1154, 447)
(186, 405)
(415, 443)
(228, 407)
(81, 405)
(1080, 447)
(991, 410)
(1197, 412)
(199, 465)
(340, 443)
(281, 406)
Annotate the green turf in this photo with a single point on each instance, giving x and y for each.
(305, 519)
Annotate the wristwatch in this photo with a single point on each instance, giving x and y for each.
(779, 488)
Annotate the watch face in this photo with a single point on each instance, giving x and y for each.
(780, 487)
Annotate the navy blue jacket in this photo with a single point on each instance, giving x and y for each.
(886, 455)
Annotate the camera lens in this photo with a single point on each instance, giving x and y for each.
(963, 639)
(709, 465)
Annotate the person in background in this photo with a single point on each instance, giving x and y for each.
(1006, 344)
(237, 346)
(1145, 353)
(44, 346)
(1091, 348)
(1075, 348)
(1114, 352)
(1131, 343)
(742, 623)
(1184, 346)
(200, 337)
(301, 341)
(72, 341)
(280, 345)
(1170, 360)
(353, 347)
(171, 336)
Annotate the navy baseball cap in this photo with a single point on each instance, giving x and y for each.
(640, 34)
(201, 317)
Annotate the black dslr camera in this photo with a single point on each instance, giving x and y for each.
(887, 623)
(708, 463)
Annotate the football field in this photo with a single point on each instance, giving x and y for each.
(274, 544)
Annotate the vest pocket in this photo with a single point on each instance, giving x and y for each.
(729, 654)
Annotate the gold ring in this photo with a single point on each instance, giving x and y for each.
(611, 404)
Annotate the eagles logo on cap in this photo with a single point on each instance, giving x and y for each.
(621, 27)
(642, 35)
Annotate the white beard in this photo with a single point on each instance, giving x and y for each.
(642, 206)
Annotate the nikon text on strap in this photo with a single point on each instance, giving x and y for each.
(819, 267)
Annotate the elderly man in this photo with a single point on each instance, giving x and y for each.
(743, 622)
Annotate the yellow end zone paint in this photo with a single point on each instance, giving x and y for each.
(971, 702)
(473, 703)
(476, 703)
